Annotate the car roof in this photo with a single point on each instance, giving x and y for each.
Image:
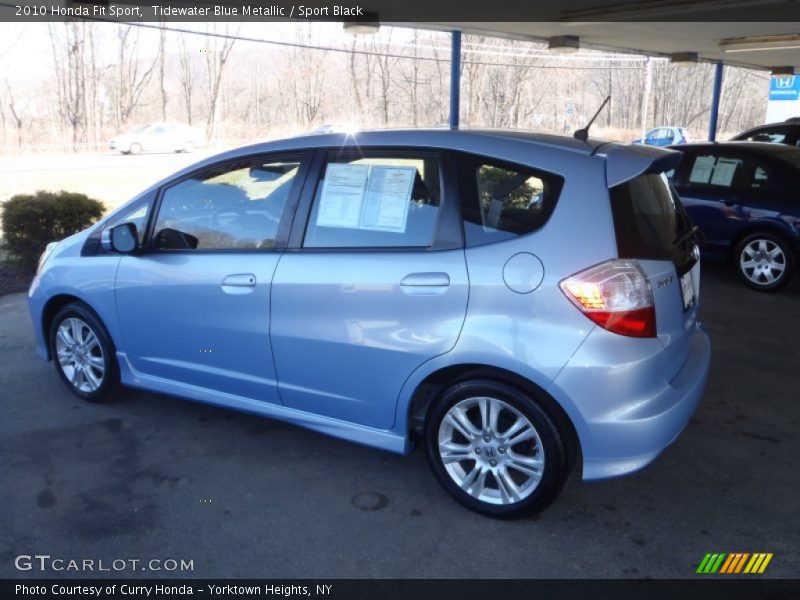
(434, 137)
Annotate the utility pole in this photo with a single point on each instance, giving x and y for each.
(648, 83)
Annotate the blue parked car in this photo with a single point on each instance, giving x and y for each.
(516, 303)
(664, 136)
(744, 198)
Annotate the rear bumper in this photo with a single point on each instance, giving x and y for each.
(629, 411)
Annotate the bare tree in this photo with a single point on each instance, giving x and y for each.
(16, 113)
(354, 77)
(132, 78)
(302, 92)
(386, 66)
(70, 72)
(162, 44)
(216, 55)
(187, 76)
(410, 71)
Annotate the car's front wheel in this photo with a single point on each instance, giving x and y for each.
(494, 449)
(83, 353)
(764, 261)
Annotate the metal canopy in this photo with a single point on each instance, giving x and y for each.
(708, 39)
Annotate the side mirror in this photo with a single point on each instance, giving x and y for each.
(122, 238)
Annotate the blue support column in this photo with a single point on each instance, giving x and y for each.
(714, 117)
(455, 79)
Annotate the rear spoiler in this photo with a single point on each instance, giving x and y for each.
(623, 163)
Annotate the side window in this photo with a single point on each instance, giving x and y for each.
(728, 172)
(501, 201)
(234, 207)
(376, 200)
(760, 178)
(136, 213)
(715, 171)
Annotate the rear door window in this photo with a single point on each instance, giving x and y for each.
(376, 200)
(502, 200)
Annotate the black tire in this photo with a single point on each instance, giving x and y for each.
(553, 475)
(757, 276)
(110, 382)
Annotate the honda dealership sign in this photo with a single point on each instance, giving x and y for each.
(784, 98)
(784, 87)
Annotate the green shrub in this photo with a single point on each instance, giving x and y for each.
(31, 221)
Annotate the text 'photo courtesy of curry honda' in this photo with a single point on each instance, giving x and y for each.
(521, 305)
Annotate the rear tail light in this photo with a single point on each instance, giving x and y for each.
(615, 295)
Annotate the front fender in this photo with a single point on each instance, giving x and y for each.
(67, 276)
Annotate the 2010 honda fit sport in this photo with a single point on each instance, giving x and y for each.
(517, 303)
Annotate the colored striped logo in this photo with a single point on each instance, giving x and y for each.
(736, 562)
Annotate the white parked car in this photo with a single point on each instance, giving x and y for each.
(159, 137)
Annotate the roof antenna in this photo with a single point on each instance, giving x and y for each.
(583, 134)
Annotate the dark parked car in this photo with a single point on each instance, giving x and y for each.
(787, 132)
(745, 198)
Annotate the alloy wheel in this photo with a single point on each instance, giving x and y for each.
(80, 355)
(491, 450)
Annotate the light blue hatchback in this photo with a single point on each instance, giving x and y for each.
(518, 303)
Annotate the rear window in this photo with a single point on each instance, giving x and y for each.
(502, 200)
(775, 136)
(650, 221)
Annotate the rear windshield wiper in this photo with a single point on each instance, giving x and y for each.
(689, 233)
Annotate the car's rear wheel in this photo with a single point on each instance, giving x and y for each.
(135, 149)
(494, 449)
(83, 353)
(765, 261)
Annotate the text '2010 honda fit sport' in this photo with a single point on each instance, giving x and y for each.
(519, 304)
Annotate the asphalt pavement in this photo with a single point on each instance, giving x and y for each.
(151, 477)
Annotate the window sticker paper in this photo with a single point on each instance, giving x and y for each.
(388, 198)
(724, 171)
(703, 167)
(342, 196)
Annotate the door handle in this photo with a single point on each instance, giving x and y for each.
(426, 280)
(239, 280)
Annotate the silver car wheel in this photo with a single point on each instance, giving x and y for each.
(762, 262)
(80, 355)
(491, 450)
